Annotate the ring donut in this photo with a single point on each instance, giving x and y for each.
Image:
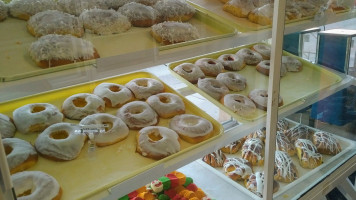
(239, 104)
(143, 88)
(190, 72)
(209, 66)
(262, 49)
(264, 67)
(250, 57)
(7, 126)
(166, 105)
(232, 80)
(260, 98)
(232, 62)
(213, 87)
(113, 94)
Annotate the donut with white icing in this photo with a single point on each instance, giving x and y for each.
(76, 7)
(253, 150)
(54, 22)
(55, 50)
(232, 62)
(24, 9)
(81, 105)
(174, 10)
(61, 141)
(326, 143)
(260, 98)
(264, 67)
(115, 132)
(36, 117)
(237, 168)
(213, 87)
(215, 158)
(239, 8)
(232, 80)
(140, 15)
(308, 154)
(20, 154)
(104, 22)
(250, 56)
(239, 104)
(210, 66)
(192, 128)
(39, 184)
(284, 168)
(262, 15)
(292, 64)
(3, 11)
(114, 95)
(263, 49)
(137, 115)
(143, 88)
(157, 142)
(7, 126)
(189, 71)
(171, 32)
(255, 183)
(166, 105)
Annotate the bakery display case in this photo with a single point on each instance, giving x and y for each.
(114, 171)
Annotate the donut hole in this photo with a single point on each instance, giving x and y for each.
(239, 100)
(142, 83)
(109, 126)
(215, 85)
(250, 53)
(164, 99)
(37, 109)
(229, 58)
(267, 63)
(187, 69)
(154, 136)
(59, 135)
(136, 110)
(25, 193)
(8, 149)
(211, 62)
(79, 102)
(264, 95)
(191, 121)
(114, 88)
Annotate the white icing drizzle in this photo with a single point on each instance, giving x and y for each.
(55, 22)
(63, 149)
(24, 117)
(232, 62)
(3, 10)
(242, 167)
(260, 133)
(327, 142)
(189, 71)
(145, 87)
(118, 98)
(282, 125)
(191, 125)
(171, 105)
(283, 143)
(309, 150)
(21, 150)
(137, 114)
(7, 127)
(213, 87)
(245, 6)
(285, 167)
(174, 8)
(298, 132)
(292, 64)
(30, 7)
(176, 31)
(239, 104)
(255, 183)
(116, 131)
(104, 22)
(42, 185)
(56, 47)
(136, 11)
(94, 104)
(76, 7)
(253, 146)
(230, 147)
(217, 157)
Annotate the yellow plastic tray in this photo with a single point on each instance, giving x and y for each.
(16, 63)
(294, 86)
(88, 175)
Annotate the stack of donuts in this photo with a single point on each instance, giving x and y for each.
(295, 143)
(219, 77)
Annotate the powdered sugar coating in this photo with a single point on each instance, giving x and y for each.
(175, 32)
(292, 64)
(137, 114)
(23, 9)
(234, 81)
(232, 62)
(104, 22)
(42, 185)
(137, 13)
(213, 87)
(21, 151)
(26, 117)
(56, 47)
(116, 98)
(76, 7)
(244, 6)
(116, 4)
(189, 71)
(3, 11)
(93, 104)
(55, 22)
(62, 149)
(7, 127)
(239, 104)
(191, 125)
(210, 66)
(177, 10)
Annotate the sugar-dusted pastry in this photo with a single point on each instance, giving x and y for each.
(174, 10)
(54, 22)
(284, 144)
(140, 15)
(55, 50)
(213, 87)
(255, 183)
(237, 168)
(250, 56)
(234, 81)
(215, 158)
(24, 9)
(171, 32)
(284, 168)
(292, 64)
(190, 72)
(210, 66)
(239, 8)
(308, 154)
(233, 147)
(253, 150)
(263, 49)
(76, 7)
(299, 132)
(262, 15)
(260, 98)
(239, 104)
(326, 143)
(3, 11)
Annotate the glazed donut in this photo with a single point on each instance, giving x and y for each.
(237, 168)
(174, 10)
(113, 94)
(264, 67)
(60, 142)
(36, 117)
(263, 49)
(189, 71)
(54, 50)
(81, 105)
(140, 15)
(115, 132)
(210, 67)
(20, 154)
(76, 7)
(232, 62)
(24, 9)
(192, 128)
(260, 97)
(215, 158)
(157, 142)
(292, 64)
(239, 104)
(54, 22)
(213, 87)
(232, 80)
(239, 8)
(143, 88)
(137, 114)
(39, 184)
(262, 15)
(166, 105)
(7, 126)
(3, 11)
(250, 57)
(171, 32)
(104, 22)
